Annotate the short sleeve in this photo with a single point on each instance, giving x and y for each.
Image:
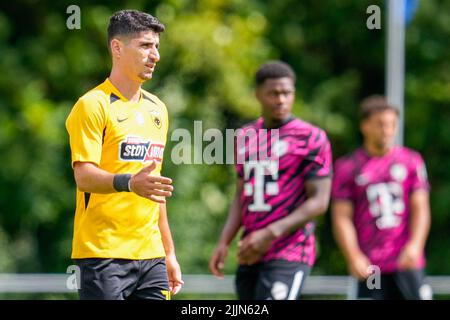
(342, 180)
(86, 124)
(239, 155)
(418, 174)
(166, 123)
(239, 159)
(319, 156)
(163, 108)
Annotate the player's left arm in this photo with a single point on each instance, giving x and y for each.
(173, 267)
(256, 244)
(420, 216)
(419, 227)
(318, 197)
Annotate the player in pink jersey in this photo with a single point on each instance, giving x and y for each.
(380, 209)
(283, 184)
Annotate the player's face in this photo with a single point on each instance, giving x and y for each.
(380, 128)
(140, 55)
(276, 97)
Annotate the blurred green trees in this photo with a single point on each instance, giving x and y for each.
(210, 50)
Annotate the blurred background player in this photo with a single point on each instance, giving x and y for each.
(122, 241)
(276, 200)
(380, 208)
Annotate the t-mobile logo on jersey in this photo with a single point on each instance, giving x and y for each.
(386, 203)
(259, 187)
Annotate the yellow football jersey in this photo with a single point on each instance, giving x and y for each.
(119, 136)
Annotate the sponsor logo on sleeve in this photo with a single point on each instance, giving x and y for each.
(422, 173)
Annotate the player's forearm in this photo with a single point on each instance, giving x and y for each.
(318, 197)
(166, 235)
(421, 227)
(89, 178)
(305, 213)
(420, 218)
(346, 238)
(233, 223)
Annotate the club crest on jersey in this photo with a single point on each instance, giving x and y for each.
(156, 118)
(157, 121)
(140, 150)
(362, 179)
(398, 172)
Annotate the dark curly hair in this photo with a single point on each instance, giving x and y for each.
(373, 104)
(274, 70)
(127, 22)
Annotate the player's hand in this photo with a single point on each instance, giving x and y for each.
(152, 187)
(359, 267)
(174, 274)
(409, 257)
(217, 261)
(253, 247)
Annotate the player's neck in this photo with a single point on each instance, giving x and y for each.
(131, 90)
(376, 151)
(274, 124)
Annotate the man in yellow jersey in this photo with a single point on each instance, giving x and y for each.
(122, 240)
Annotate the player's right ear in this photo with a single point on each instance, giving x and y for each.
(258, 93)
(363, 126)
(115, 46)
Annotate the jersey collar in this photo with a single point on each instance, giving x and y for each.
(116, 91)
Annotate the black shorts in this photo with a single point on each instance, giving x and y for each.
(400, 285)
(273, 280)
(121, 279)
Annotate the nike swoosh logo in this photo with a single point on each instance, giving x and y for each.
(121, 120)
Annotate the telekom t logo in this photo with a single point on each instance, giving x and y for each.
(259, 188)
(386, 203)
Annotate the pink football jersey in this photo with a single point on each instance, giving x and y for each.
(274, 173)
(380, 190)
